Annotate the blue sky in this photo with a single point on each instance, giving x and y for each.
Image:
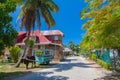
(67, 20)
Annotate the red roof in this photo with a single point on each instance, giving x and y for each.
(40, 36)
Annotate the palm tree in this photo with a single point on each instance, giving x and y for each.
(31, 12)
(71, 45)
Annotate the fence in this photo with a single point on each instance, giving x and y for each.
(103, 55)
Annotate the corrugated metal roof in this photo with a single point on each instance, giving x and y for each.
(52, 32)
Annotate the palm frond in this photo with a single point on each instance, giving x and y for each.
(38, 18)
(47, 16)
(51, 5)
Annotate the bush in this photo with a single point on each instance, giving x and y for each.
(30, 43)
(77, 54)
(99, 61)
(93, 57)
(14, 53)
(39, 52)
(103, 64)
(4, 61)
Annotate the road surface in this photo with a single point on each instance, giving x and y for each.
(73, 68)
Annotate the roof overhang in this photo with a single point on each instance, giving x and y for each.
(43, 43)
(20, 44)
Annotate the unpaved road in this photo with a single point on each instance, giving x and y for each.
(73, 68)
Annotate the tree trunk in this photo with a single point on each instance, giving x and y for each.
(19, 61)
(24, 53)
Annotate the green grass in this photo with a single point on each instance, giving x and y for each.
(8, 69)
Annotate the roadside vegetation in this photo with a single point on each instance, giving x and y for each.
(99, 61)
(8, 71)
(102, 26)
(7, 33)
(31, 13)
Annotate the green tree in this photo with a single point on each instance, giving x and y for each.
(74, 47)
(31, 13)
(102, 26)
(71, 45)
(7, 33)
(77, 48)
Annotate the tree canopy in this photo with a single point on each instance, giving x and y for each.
(7, 32)
(32, 11)
(74, 47)
(103, 24)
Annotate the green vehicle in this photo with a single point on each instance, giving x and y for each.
(45, 57)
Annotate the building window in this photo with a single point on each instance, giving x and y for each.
(56, 38)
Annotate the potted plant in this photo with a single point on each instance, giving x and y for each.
(39, 52)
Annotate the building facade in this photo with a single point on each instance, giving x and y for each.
(49, 39)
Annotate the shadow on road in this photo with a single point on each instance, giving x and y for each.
(69, 65)
(110, 76)
(64, 66)
(11, 75)
(69, 60)
(43, 76)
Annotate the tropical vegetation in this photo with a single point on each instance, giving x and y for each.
(39, 52)
(74, 47)
(14, 53)
(99, 61)
(7, 33)
(102, 25)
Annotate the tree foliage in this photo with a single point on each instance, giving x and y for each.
(32, 11)
(14, 53)
(71, 45)
(102, 26)
(74, 47)
(31, 43)
(7, 32)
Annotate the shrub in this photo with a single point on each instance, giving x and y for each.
(4, 61)
(14, 53)
(93, 57)
(103, 64)
(77, 54)
(39, 52)
(99, 61)
(30, 43)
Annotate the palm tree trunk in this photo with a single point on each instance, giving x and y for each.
(24, 53)
(21, 57)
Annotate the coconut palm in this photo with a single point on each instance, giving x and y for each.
(31, 12)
